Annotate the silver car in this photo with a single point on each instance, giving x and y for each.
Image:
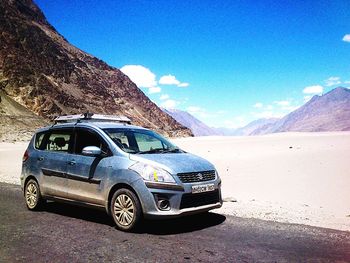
(129, 171)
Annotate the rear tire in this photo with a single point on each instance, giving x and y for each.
(125, 209)
(32, 195)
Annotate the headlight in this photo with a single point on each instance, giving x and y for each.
(152, 174)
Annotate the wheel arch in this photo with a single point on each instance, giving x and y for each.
(116, 187)
(29, 177)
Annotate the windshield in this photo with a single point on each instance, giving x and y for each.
(141, 141)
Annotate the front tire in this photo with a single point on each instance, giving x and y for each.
(125, 209)
(32, 195)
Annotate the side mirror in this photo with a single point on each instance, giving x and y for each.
(91, 151)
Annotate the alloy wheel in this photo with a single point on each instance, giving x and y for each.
(124, 210)
(31, 195)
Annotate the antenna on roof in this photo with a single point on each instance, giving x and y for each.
(91, 117)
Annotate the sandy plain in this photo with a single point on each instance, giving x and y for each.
(301, 178)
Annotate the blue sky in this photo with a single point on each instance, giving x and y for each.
(226, 62)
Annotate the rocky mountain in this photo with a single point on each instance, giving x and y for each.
(256, 125)
(17, 123)
(329, 112)
(48, 76)
(197, 127)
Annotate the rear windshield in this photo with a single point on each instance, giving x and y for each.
(140, 141)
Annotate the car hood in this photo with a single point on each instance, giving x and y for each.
(175, 162)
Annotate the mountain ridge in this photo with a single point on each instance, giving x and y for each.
(329, 112)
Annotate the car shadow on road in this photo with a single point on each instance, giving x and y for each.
(181, 225)
(79, 212)
(155, 227)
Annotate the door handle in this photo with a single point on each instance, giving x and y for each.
(72, 162)
(40, 158)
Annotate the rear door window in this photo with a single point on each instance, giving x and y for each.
(59, 140)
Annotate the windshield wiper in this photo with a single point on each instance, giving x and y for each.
(173, 150)
(158, 150)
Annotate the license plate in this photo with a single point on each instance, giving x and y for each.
(202, 188)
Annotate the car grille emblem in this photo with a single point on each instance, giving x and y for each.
(200, 176)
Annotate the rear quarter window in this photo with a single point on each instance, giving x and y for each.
(39, 139)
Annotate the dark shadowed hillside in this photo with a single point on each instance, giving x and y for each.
(41, 71)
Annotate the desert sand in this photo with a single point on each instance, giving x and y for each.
(301, 178)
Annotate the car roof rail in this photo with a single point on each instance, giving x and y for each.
(91, 117)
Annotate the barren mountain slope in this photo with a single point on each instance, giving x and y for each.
(16, 122)
(329, 112)
(43, 72)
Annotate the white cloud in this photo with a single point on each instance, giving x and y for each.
(346, 38)
(183, 85)
(332, 81)
(164, 97)
(171, 80)
(169, 104)
(269, 107)
(316, 89)
(258, 105)
(347, 82)
(168, 80)
(282, 102)
(140, 75)
(154, 90)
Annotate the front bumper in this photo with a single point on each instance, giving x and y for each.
(179, 198)
(181, 212)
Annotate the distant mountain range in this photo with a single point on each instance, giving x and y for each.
(254, 125)
(43, 72)
(329, 112)
(197, 127)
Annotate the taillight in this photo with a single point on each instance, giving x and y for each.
(25, 156)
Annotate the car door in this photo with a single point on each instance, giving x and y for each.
(52, 157)
(86, 174)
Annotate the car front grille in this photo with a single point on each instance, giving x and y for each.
(197, 176)
(194, 200)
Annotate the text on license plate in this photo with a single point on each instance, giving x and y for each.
(202, 188)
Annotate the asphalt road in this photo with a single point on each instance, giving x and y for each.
(64, 233)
